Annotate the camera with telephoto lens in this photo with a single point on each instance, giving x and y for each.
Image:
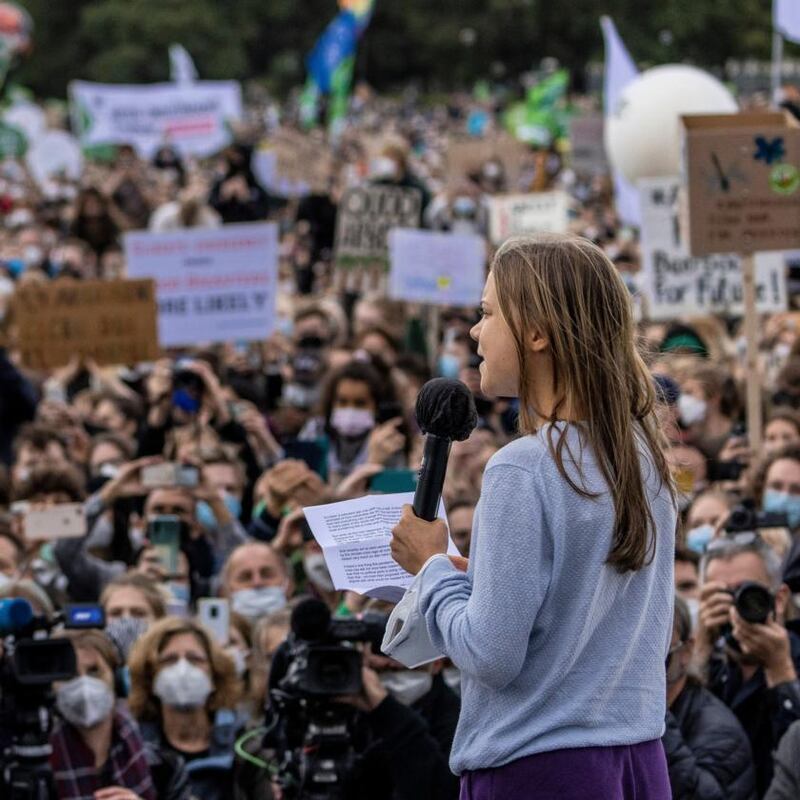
(30, 663)
(321, 663)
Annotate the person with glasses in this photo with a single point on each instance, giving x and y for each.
(752, 667)
(708, 753)
(184, 692)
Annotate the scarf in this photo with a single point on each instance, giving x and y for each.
(77, 778)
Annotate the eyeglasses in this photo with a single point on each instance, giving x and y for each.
(742, 539)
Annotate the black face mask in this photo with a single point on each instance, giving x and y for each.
(95, 430)
(96, 483)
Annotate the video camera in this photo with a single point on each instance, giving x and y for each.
(29, 665)
(322, 665)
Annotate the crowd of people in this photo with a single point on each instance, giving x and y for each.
(323, 410)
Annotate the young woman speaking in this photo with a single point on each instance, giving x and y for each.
(562, 622)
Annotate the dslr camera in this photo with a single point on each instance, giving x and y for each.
(744, 518)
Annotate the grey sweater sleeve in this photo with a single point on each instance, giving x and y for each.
(786, 781)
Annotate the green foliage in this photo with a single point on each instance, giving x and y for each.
(412, 40)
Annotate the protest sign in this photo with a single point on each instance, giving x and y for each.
(212, 285)
(195, 118)
(445, 269)
(678, 284)
(521, 214)
(586, 145)
(366, 214)
(293, 164)
(111, 322)
(742, 182)
(466, 156)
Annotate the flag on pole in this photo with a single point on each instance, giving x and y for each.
(620, 70)
(786, 19)
(181, 66)
(331, 62)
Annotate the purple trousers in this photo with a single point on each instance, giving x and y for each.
(624, 772)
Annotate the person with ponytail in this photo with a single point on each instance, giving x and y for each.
(561, 624)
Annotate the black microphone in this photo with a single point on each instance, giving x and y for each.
(445, 413)
(311, 620)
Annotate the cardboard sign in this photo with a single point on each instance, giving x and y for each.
(212, 285)
(466, 156)
(445, 269)
(293, 164)
(742, 178)
(366, 214)
(587, 148)
(521, 214)
(111, 322)
(196, 118)
(677, 284)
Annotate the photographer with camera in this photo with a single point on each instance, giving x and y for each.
(346, 723)
(708, 754)
(750, 656)
(98, 752)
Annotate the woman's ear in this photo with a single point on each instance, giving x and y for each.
(537, 342)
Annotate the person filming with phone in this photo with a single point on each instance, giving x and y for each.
(561, 624)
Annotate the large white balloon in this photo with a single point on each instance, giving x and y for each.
(643, 131)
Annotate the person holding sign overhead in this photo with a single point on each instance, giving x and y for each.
(561, 624)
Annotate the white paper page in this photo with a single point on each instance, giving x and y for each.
(354, 536)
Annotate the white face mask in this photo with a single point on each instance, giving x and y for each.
(317, 572)
(383, 167)
(691, 409)
(32, 255)
(256, 603)
(352, 421)
(407, 685)
(182, 685)
(85, 701)
(694, 610)
(239, 660)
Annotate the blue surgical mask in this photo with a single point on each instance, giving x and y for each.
(205, 516)
(185, 402)
(697, 539)
(783, 502)
(449, 365)
(15, 266)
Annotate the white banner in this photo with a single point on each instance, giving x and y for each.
(211, 285)
(521, 214)
(676, 284)
(195, 117)
(445, 269)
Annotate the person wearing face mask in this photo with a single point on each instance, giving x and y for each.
(184, 692)
(98, 746)
(131, 603)
(705, 518)
(708, 753)
(391, 168)
(256, 580)
(708, 405)
(351, 401)
(776, 484)
(752, 667)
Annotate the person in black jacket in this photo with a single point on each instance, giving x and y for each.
(237, 196)
(708, 753)
(18, 402)
(751, 667)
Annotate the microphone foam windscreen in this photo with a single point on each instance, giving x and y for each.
(311, 620)
(446, 407)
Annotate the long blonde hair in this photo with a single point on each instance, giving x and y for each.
(565, 289)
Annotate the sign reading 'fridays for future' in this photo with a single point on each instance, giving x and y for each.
(678, 284)
(214, 285)
(444, 269)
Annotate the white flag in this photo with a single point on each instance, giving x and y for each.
(620, 70)
(181, 66)
(786, 19)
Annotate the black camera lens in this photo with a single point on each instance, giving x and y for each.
(754, 602)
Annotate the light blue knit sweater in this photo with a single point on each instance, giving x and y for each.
(556, 649)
